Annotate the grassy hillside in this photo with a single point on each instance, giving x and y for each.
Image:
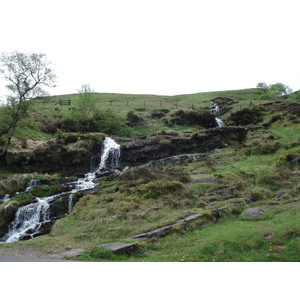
(258, 173)
(44, 114)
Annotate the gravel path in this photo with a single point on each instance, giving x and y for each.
(5, 258)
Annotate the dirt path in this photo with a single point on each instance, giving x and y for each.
(5, 258)
(28, 254)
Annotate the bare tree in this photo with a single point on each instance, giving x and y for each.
(25, 75)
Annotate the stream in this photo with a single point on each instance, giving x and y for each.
(29, 218)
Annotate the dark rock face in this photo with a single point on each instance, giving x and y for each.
(205, 119)
(153, 148)
(59, 207)
(70, 153)
(7, 215)
(178, 159)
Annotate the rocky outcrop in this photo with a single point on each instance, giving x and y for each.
(178, 159)
(68, 154)
(163, 231)
(143, 150)
(7, 215)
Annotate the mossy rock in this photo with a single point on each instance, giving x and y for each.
(289, 158)
(7, 215)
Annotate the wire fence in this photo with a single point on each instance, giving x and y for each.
(140, 104)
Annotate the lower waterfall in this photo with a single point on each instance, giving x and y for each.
(29, 218)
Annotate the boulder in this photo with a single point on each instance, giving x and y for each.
(119, 247)
(73, 253)
(252, 212)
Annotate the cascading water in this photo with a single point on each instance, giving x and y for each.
(216, 111)
(110, 154)
(29, 218)
(5, 198)
(33, 183)
(219, 122)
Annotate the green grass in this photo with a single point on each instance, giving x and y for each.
(234, 240)
(146, 198)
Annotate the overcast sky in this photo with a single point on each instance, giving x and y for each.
(164, 47)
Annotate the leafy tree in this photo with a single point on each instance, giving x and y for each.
(263, 86)
(86, 102)
(273, 91)
(25, 75)
(279, 90)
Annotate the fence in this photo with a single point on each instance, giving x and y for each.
(64, 102)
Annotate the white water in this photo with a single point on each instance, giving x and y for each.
(110, 154)
(29, 218)
(219, 122)
(216, 111)
(5, 198)
(32, 184)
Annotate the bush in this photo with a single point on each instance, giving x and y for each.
(133, 119)
(102, 121)
(246, 116)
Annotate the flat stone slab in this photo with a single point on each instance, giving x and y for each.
(190, 218)
(119, 247)
(73, 253)
(163, 231)
(156, 233)
(252, 212)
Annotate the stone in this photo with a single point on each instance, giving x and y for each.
(119, 247)
(73, 253)
(189, 219)
(252, 212)
(156, 233)
(178, 159)
(279, 194)
(296, 160)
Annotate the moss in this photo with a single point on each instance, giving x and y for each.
(287, 158)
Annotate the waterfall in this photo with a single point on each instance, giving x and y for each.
(32, 184)
(216, 112)
(29, 218)
(110, 154)
(219, 122)
(5, 198)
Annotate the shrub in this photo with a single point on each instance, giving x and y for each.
(245, 117)
(133, 119)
